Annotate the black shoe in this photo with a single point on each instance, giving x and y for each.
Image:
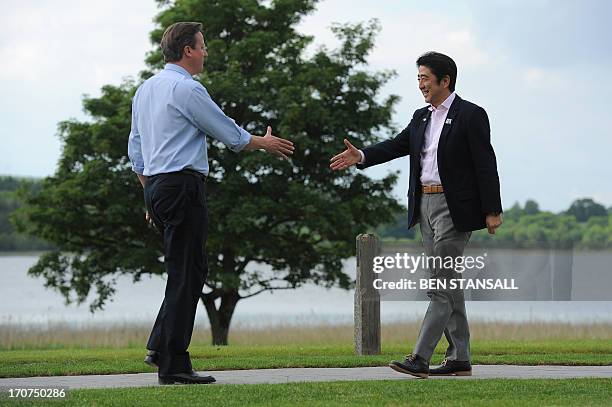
(452, 368)
(413, 365)
(185, 378)
(152, 359)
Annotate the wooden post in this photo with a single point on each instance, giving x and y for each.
(367, 298)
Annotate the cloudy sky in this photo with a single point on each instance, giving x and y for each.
(540, 68)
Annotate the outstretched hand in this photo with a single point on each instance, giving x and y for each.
(345, 159)
(276, 145)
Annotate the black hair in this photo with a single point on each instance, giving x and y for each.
(440, 65)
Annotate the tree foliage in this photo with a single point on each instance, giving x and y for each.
(297, 217)
(528, 226)
(10, 239)
(584, 209)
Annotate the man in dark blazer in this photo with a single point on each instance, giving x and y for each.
(454, 190)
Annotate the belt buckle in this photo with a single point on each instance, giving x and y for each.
(432, 189)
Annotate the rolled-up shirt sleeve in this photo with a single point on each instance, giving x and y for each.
(210, 119)
(134, 147)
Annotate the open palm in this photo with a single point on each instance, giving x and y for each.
(345, 159)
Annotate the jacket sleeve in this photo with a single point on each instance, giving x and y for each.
(483, 158)
(390, 149)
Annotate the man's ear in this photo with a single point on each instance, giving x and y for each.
(187, 50)
(445, 81)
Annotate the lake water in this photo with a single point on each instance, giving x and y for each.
(24, 299)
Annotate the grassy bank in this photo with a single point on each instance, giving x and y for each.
(64, 336)
(20, 363)
(532, 392)
(120, 349)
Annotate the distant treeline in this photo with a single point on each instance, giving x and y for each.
(585, 224)
(10, 240)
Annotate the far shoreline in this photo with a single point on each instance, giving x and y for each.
(19, 253)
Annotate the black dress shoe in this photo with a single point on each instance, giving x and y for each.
(185, 378)
(413, 365)
(152, 359)
(452, 368)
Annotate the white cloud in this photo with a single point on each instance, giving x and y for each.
(53, 52)
(543, 78)
(404, 35)
(69, 39)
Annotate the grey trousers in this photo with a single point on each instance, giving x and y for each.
(446, 312)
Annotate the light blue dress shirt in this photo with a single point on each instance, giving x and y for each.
(171, 116)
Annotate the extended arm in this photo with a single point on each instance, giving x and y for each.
(384, 151)
(209, 118)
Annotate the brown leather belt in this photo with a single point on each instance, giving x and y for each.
(432, 189)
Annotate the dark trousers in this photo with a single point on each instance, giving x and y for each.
(177, 204)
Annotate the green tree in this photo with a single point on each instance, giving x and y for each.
(296, 216)
(398, 227)
(9, 183)
(597, 233)
(531, 207)
(595, 237)
(514, 213)
(10, 240)
(545, 228)
(585, 208)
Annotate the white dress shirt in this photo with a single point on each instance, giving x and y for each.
(429, 154)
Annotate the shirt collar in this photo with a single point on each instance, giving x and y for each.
(177, 68)
(446, 104)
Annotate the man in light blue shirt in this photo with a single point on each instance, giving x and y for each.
(172, 114)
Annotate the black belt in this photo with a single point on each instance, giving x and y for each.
(186, 171)
(195, 173)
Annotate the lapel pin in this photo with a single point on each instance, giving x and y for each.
(448, 121)
(424, 119)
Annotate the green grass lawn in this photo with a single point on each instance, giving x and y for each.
(22, 363)
(498, 392)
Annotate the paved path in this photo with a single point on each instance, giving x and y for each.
(310, 375)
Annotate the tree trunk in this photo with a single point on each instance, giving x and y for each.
(221, 318)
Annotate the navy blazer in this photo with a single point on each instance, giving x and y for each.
(466, 163)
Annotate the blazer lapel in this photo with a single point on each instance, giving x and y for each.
(420, 135)
(448, 124)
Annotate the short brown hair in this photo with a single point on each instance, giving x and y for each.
(177, 37)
